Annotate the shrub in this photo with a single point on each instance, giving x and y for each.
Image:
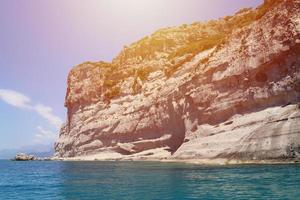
(226, 18)
(243, 10)
(109, 83)
(136, 87)
(104, 64)
(144, 72)
(113, 92)
(198, 46)
(204, 60)
(173, 68)
(262, 10)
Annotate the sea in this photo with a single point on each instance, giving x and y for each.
(119, 180)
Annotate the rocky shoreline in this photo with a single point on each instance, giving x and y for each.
(216, 161)
(188, 161)
(28, 157)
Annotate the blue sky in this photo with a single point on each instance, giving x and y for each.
(40, 41)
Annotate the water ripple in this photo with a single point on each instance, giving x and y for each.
(146, 180)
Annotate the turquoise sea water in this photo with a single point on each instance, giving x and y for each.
(146, 180)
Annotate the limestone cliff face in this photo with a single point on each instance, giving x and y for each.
(228, 88)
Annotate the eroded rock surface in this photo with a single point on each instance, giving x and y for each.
(228, 88)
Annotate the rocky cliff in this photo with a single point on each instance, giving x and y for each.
(227, 88)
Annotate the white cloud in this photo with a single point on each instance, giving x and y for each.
(46, 113)
(44, 135)
(20, 100)
(15, 98)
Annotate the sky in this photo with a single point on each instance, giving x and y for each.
(40, 41)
